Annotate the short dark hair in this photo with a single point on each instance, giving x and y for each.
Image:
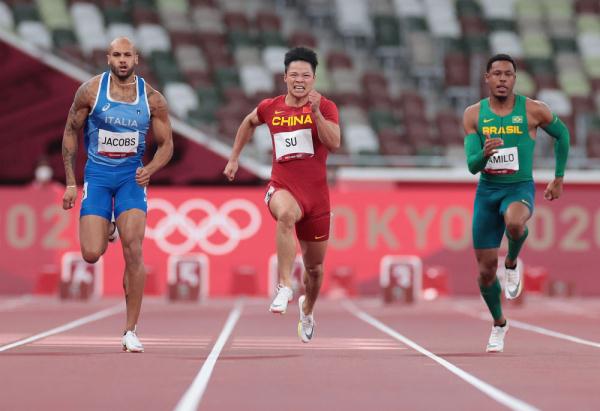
(500, 57)
(301, 54)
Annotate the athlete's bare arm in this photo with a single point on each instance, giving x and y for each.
(538, 114)
(243, 135)
(470, 119)
(80, 109)
(163, 136)
(328, 131)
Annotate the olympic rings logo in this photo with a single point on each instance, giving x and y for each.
(199, 233)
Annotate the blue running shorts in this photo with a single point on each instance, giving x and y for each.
(102, 184)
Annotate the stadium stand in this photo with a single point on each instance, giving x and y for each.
(401, 71)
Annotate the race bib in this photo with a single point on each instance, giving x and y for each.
(117, 145)
(505, 161)
(291, 145)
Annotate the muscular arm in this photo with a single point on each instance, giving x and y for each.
(161, 128)
(78, 113)
(476, 160)
(543, 117)
(328, 131)
(243, 135)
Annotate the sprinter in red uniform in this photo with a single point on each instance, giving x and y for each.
(304, 127)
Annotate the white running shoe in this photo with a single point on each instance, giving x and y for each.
(496, 341)
(112, 237)
(281, 300)
(131, 343)
(306, 325)
(514, 281)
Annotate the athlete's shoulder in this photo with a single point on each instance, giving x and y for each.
(272, 102)
(535, 105)
(327, 102)
(538, 111)
(473, 110)
(87, 91)
(156, 100)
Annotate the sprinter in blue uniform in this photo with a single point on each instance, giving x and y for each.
(117, 108)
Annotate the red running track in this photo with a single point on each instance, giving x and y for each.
(235, 355)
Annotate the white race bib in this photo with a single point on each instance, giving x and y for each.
(291, 145)
(117, 145)
(505, 161)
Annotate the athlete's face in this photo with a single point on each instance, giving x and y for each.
(501, 79)
(122, 59)
(299, 78)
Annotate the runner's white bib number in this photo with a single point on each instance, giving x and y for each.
(505, 161)
(117, 145)
(291, 145)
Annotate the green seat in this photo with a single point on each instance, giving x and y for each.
(574, 83)
(226, 77)
(382, 119)
(587, 23)
(209, 98)
(468, 8)
(414, 24)
(540, 66)
(164, 66)
(450, 45)
(116, 15)
(564, 44)
(525, 84)
(179, 6)
(387, 31)
(271, 38)
(529, 10)
(25, 12)
(536, 45)
(54, 14)
(558, 9)
(201, 116)
(63, 37)
(592, 66)
(501, 25)
(238, 38)
(323, 80)
(476, 44)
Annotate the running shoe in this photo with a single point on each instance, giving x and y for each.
(496, 341)
(281, 300)
(514, 281)
(306, 325)
(131, 343)
(114, 234)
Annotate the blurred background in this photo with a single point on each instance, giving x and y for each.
(401, 72)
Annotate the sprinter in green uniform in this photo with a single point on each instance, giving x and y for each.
(499, 144)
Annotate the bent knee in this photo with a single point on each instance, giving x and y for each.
(91, 256)
(515, 229)
(315, 270)
(287, 219)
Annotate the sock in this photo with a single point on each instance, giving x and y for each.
(491, 295)
(514, 246)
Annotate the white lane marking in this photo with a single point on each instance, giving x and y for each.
(498, 395)
(531, 327)
(66, 327)
(13, 303)
(193, 395)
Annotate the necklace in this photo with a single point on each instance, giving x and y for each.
(127, 84)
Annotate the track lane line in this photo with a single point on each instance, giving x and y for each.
(496, 394)
(13, 303)
(533, 328)
(66, 327)
(192, 397)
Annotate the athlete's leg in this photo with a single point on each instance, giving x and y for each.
(313, 255)
(93, 236)
(489, 285)
(131, 225)
(287, 212)
(515, 218)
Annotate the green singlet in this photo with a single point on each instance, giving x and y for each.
(514, 160)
